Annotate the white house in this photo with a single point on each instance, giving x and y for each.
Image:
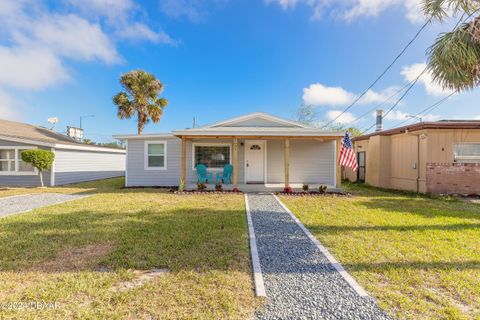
(265, 151)
(74, 161)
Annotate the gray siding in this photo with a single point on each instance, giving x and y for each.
(73, 166)
(311, 161)
(23, 180)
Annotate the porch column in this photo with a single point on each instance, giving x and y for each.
(235, 163)
(287, 164)
(338, 170)
(183, 176)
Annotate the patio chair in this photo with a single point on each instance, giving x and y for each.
(226, 175)
(202, 174)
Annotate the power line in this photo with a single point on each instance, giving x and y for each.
(420, 75)
(430, 108)
(381, 75)
(379, 105)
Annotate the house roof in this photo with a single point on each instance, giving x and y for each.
(276, 127)
(30, 134)
(256, 115)
(443, 124)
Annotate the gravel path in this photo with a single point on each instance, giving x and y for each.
(300, 282)
(18, 204)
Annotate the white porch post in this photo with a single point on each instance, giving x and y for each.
(287, 165)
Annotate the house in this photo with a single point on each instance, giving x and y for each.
(74, 161)
(441, 157)
(265, 151)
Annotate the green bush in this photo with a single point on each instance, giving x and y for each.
(40, 159)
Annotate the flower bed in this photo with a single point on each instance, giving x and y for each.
(314, 193)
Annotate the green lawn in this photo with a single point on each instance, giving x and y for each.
(80, 253)
(420, 257)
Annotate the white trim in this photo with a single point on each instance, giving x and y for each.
(264, 142)
(348, 278)
(145, 152)
(88, 148)
(52, 170)
(126, 164)
(26, 141)
(261, 115)
(261, 132)
(16, 171)
(143, 136)
(61, 145)
(335, 164)
(257, 269)
(210, 144)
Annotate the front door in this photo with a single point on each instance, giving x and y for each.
(255, 161)
(361, 166)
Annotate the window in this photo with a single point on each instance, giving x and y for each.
(155, 155)
(11, 162)
(213, 156)
(466, 152)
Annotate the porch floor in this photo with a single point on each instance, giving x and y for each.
(269, 187)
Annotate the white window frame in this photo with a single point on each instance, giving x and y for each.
(464, 158)
(16, 172)
(147, 143)
(210, 144)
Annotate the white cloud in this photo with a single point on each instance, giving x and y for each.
(112, 9)
(398, 115)
(140, 31)
(8, 109)
(353, 9)
(411, 72)
(346, 117)
(318, 94)
(30, 68)
(73, 37)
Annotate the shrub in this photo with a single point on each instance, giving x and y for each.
(40, 159)
(322, 189)
(305, 187)
(201, 186)
(218, 186)
(181, 186)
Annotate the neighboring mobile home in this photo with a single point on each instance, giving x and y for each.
(74, 161)
(265, 151)
(440, 157)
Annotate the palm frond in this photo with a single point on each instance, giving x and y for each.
(440, 9)
(454, 58)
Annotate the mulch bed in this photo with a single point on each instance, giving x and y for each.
(314, 194)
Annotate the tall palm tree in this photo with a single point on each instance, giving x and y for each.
(454, 58)
(140, 96)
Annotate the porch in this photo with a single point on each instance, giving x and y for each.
(269, 187)
(262, 163)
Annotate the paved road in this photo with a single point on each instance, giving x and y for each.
(300, 281)
(18, 204)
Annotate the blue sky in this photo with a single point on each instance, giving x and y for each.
(216, 58)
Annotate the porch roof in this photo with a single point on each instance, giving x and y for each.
(256, 132)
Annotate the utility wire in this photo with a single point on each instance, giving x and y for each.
(420, 75)
(379, 105)
(381, 75)
(430, 108)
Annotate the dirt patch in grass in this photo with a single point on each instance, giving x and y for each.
(141, 277)
(76, 259)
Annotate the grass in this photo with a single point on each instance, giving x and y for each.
(78, 253)
(418, 256)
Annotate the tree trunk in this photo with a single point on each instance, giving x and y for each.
(41, 178)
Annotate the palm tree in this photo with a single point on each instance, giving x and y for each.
(454, 58)
(140, 95)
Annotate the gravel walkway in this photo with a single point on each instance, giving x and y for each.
(300, 282)
(18, 204)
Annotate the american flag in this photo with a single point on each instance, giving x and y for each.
(347, 156)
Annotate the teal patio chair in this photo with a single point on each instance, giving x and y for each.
(226, 175)
(202, 174)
